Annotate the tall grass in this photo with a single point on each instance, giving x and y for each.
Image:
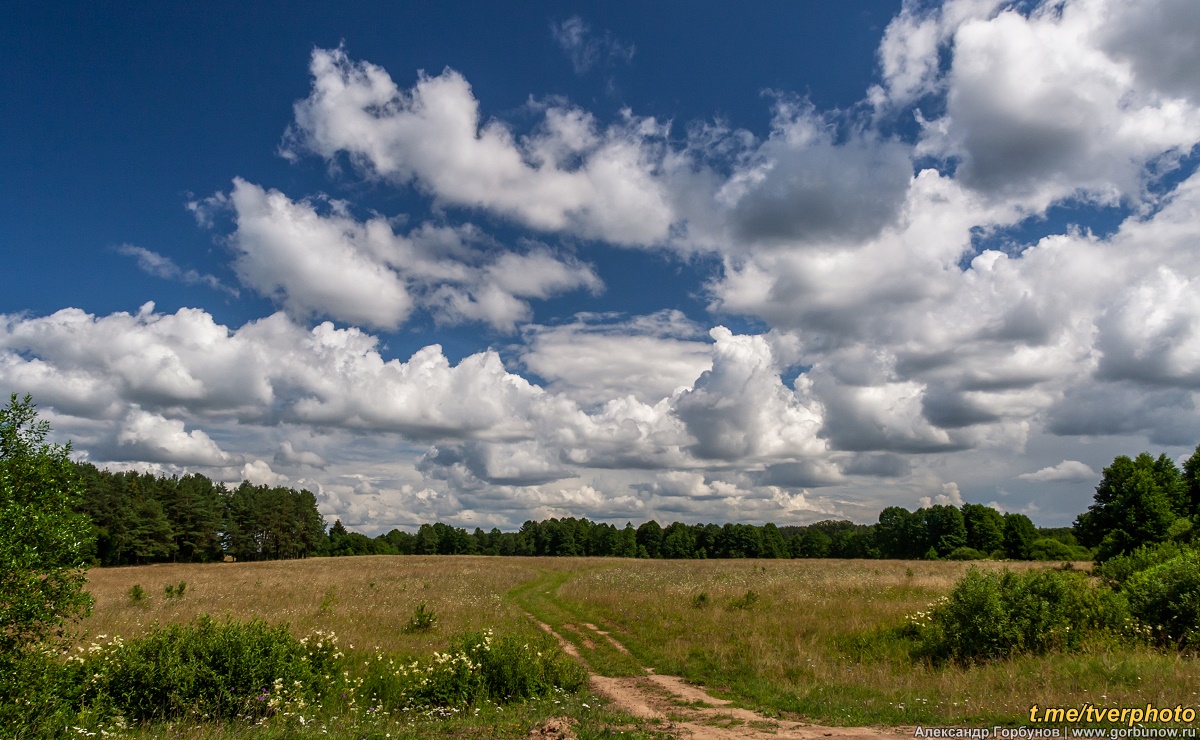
(368, 601)
(824, 639)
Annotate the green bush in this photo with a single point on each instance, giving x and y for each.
(1116, 571)
(996, 615)
(1165, 598)
(965, 553)
(137, 594)
(422, 620)
(477, 666)
(205, 669)
(1048, 548)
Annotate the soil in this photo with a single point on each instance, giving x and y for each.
(685, 710)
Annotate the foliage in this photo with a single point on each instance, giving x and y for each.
(997, 615)
(985, 527)
(1117, 570)
(205, 669)
(1019, 536)
(966, 553)
(142, 518)
(1136, 503)
(137, 594)
(43, 543)
(422, 620)
(1165, 598)
(477, 666)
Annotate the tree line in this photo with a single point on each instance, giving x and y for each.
(968, 533)
(142, 518)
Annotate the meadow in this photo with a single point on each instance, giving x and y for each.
(819, 640)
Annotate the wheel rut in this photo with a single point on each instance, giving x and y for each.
(685, 710)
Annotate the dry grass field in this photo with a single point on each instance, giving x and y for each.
(366, 600)
(802, 638)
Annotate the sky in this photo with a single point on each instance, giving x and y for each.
(481, 263)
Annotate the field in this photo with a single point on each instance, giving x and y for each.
(811, 640)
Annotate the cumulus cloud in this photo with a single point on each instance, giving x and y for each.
(1066, 100)
(570, 174)
(594, 359)
(948, 496)
(1067, 470)
(289, 455)
(362, 272)
(259, 473)
(585, 49)
(891, 346)
(148, 437)
(741, 410)
(803, 186)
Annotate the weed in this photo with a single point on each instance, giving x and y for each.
(700, 600)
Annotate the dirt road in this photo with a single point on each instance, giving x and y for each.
(688, 711)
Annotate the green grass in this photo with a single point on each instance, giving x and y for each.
(823, 639)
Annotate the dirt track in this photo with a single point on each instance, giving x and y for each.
(688, 711)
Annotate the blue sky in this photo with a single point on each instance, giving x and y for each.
(484, 263)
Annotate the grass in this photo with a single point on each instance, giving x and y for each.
(821, 641)
(818, 638)
(368, 601)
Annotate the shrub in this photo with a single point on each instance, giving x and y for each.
(204, 669)
(1048, 548)
(700, 600)
(1117, 570)
(477, 666)
(422, 620)
(965, 553)
(44, 543)
(995, 615)
(1165, 598)
(137, 594)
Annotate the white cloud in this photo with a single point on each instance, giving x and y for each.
(259, 473)
(568, 175)
(164, 267)
(949, 496)
(316, 265)
(289, 455)
(1067, 470)
(741, 410)
(594, 359)
(1061, 102)
(362, 272)
(148, 437)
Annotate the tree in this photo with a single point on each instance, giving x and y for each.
(945, 530)
(985, 528)
(650, 536)
(1135, 504)
(43, 541)
(1191, 479)
(1019, 536)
